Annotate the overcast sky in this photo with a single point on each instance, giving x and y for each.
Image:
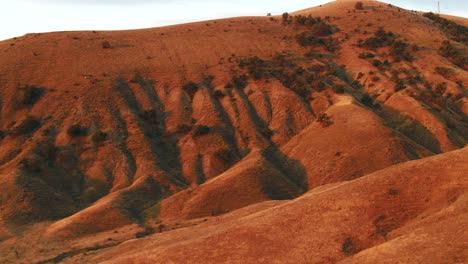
(18, 17)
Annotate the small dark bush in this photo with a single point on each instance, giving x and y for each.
(28, 125)
(148, 231)
(183, 128)
(32, 94)
(190, 88)
(150, 116)
(285, 17)
(200, 130)
(219, 94)
(2, 134)
(441, 88)
(106, 45)
(359, 6)
(366, 55)
(239, 81)
(99, 136)
(367, 100)
(324, 120)
(77, 131)
(267, 132)
(399, 51)
(348, 247)
(338, 88)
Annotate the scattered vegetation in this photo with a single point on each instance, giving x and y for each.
(455, 31)
(447, 73)
(454, 54)
(399, 50)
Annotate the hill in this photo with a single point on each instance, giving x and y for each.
(211, 131)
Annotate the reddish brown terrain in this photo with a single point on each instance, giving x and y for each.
(331, 135)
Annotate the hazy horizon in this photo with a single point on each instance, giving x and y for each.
(33, 16)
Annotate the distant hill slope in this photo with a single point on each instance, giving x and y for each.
(145, 131)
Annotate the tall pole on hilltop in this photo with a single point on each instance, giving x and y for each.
(438, 7)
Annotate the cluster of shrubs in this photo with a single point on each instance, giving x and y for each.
(309, 39)
(380, 39)
(457, 32)
(399, 50)
(303, 81)
(454, 54)
(447, 73)
(239, 81)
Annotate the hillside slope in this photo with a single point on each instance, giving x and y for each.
(105, 136)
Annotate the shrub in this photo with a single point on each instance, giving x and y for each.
(2, 134)
(399, 51)
(150, 116)
(324, 120)
(28, 125)
(338, 88)
(285, 17)
(77, 131)
(441, 88)
(399, 84)
(359, 6)
(348, 247)
(366, 55)
(106, 45)
(183, 128)
(367, 101)
(239, 81)
(256, 67)
(190, 88)
(148, 231)
(381, 39)
(200, 130)
(99, 136)
(32, 94)
(267, 132)
(219, 94)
